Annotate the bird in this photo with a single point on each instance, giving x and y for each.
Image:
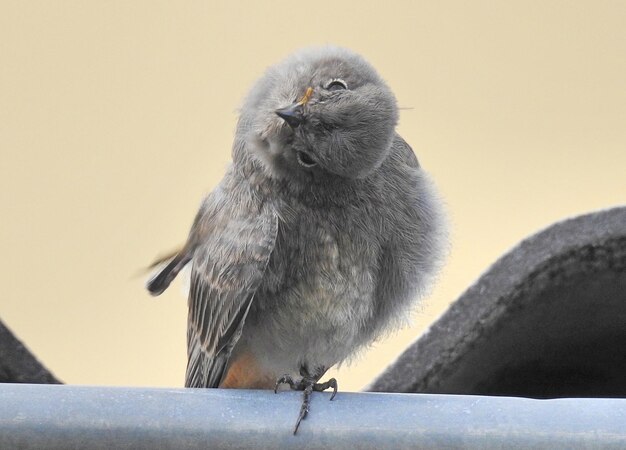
(322, 236)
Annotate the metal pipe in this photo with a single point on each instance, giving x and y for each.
(55, 416)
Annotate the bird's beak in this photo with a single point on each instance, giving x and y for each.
(294, 114)
(291, 114)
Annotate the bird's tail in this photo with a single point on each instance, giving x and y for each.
(162, 279)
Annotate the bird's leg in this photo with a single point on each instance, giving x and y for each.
(307, 384)
(304, 408)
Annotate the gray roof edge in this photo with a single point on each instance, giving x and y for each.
(484, 299)
(18, 364)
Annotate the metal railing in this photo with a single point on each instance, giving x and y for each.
(61, 416)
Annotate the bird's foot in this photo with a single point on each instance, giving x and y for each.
(287, 379)
(307, 384)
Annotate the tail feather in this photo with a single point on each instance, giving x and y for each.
(161, 281)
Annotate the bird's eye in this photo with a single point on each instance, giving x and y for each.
(336, 84)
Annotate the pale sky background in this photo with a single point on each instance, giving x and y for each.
(117, 117)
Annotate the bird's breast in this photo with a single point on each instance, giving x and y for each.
(317, 298)
(323, 270)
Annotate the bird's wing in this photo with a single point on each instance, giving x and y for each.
(227, 267)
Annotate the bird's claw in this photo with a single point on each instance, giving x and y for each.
(319, 387)
(307, 385)
(287, 379)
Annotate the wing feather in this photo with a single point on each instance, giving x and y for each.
(227, 268)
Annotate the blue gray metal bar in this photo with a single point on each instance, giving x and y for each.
(57, 416)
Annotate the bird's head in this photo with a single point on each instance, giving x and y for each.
(320, 112)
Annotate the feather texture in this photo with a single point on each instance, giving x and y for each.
(227, 267)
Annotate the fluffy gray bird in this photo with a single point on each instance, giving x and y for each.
(320, 238)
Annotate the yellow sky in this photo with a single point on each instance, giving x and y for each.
(117, 117)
